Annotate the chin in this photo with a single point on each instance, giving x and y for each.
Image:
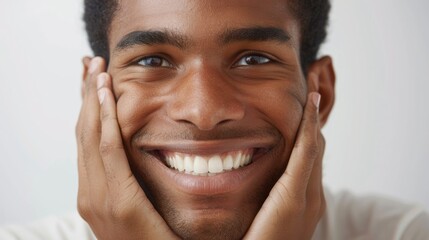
(209, 224)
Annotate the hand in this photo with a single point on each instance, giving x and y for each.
(109, 197)
(296, 203)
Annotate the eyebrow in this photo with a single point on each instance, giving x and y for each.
(151, 37)
(255, 34)
(154, 37)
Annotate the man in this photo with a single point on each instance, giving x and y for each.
(208, 97)
(201, 120)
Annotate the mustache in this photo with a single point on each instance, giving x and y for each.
(220, 133)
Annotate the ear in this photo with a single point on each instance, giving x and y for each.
(325, 85)
(85, 63)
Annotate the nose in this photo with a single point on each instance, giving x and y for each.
(206, 99)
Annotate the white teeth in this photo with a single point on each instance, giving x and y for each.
(247, 159)
(208, 165)
(215, 165)
(228, 163)
(243, 159)
(171, 160)
(237, 160)
(200, 165)
(178, 163)
(189, 164)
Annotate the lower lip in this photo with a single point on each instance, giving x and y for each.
(222, 183)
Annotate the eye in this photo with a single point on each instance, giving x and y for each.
(252, 60)
(154, 61)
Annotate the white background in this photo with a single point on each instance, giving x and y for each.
(377, 137)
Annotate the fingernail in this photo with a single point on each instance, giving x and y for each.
(101, 95)
(93, 65)
(316, 100)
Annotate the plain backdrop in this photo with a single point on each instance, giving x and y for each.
(377, 136)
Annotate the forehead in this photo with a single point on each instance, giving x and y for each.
(201, 19)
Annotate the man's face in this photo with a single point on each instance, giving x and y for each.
(210, 96)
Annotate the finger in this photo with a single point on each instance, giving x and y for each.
(88, 133)
(315, 184)
(117, 168)
(305, 151)
(79, 127)
(83, 129)
(315, 197)
(85, 61)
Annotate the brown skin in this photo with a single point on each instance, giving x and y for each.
(203, 96)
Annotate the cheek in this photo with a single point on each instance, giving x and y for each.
(282, 107)
(135, 107)
(287, 116)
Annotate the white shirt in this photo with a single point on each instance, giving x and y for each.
(347, 217)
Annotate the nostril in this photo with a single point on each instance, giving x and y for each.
(225, 121)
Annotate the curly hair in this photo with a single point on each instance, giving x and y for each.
(312, 15)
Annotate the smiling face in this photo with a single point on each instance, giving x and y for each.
(210, 96)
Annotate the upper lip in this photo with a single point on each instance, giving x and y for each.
(208, 147)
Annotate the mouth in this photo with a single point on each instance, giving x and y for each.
(207, 164)
(209, 158)
(210, 167)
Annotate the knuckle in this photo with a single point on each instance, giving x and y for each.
(105, 115)
(289, 195)
(92, 209)
(108, 116)
(300, 206)
(307, 171)
(315, 207)
(120, 212)
(123, 204)
(310, 117)
(313, 150)
(84, 209)
(322, 140)
(108, 147)
(322, 206)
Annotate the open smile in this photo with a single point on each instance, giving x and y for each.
(209, 158)
(210, 167)
(209, 164)
(205, 165)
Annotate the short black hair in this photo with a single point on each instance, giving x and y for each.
(98, 16)
(312, 15)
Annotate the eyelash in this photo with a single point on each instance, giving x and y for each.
(260, 56)
(161, 58)
(166, 63)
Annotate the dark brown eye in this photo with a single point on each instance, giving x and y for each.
(252, 60)
(154, 61)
